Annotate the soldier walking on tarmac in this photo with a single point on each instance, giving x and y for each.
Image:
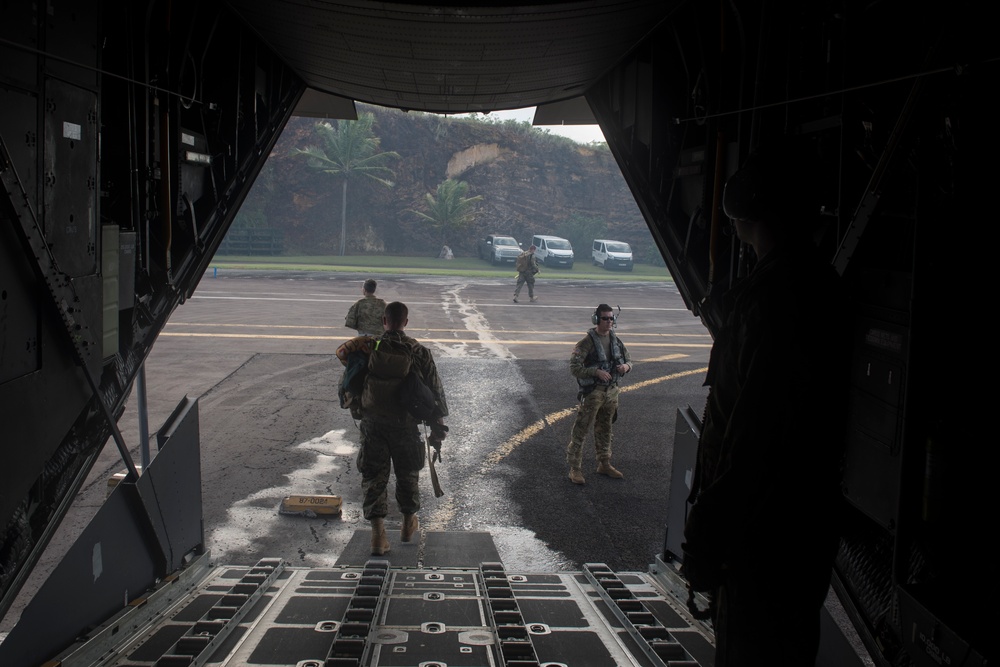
(366, 313)
(598, 362)
(390, 436)
(527, 267)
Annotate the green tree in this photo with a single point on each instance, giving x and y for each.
(448, 209)
(349, 150)
(581, 230)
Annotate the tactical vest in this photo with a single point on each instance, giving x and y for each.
(597, 358)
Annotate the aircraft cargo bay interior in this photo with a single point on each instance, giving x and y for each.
(132, 133)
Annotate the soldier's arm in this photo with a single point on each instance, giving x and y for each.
(351, 321)
(578, 359)
(627, 356)
(433, 381)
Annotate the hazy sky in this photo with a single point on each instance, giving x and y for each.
(582, 133)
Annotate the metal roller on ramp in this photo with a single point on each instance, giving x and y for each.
(379, 612)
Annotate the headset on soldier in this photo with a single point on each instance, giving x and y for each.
(596, 317)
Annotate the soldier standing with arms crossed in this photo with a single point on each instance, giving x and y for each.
(598, 361)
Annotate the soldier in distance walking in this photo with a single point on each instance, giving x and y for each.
(365, 314)
(527, 267)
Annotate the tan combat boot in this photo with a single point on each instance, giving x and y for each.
(380, 543)
(410, 526)
(605, 468)
(576, 476)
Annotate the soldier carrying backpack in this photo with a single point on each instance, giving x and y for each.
(399, 371)
(527, 267)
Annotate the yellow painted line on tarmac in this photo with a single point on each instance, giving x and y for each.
(414, 330)
(177, 334)
(443, 341)
(515, 441)
(441, 516)
(666, 357)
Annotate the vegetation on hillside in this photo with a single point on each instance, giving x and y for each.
(522, 180)
(448, 210)
(349, 150)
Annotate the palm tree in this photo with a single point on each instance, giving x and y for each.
(351, 149)
(449, 209)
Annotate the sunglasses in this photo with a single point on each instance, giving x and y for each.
(607, 319)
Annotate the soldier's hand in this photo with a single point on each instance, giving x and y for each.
(436, 444)
(439, 431)
(436, 456)
(603, 375)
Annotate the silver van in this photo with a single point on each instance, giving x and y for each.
(612, 254)
(553, 251)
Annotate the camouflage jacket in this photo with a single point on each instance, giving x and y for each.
(366, 315)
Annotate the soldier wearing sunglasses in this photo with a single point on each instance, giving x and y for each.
(598, 363)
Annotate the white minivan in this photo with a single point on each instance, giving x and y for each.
(612, 254)
(553, 251)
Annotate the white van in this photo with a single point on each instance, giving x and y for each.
(553, 251)
(612, 254)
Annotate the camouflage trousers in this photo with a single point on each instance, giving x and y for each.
(596, 411)
(385, 445)
(525, 277)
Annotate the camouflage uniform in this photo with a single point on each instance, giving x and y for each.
(390, 439)
(366, 316)
(600, 401)
(527, 267)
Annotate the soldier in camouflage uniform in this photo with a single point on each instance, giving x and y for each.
(366, 313)
(527, 267)
(598, 362)
(390, 437)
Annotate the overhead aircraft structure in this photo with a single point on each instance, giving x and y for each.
(131, 132)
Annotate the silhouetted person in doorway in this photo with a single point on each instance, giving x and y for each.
(761, 537)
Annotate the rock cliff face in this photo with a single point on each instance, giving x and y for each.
(531, 182)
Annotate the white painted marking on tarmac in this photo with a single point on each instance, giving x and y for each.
(475, 323)
(256, 516)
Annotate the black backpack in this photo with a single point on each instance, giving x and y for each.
(417, 397)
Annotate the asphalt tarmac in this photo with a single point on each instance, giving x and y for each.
(257, 350)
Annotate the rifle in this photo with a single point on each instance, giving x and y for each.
(436, 454)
